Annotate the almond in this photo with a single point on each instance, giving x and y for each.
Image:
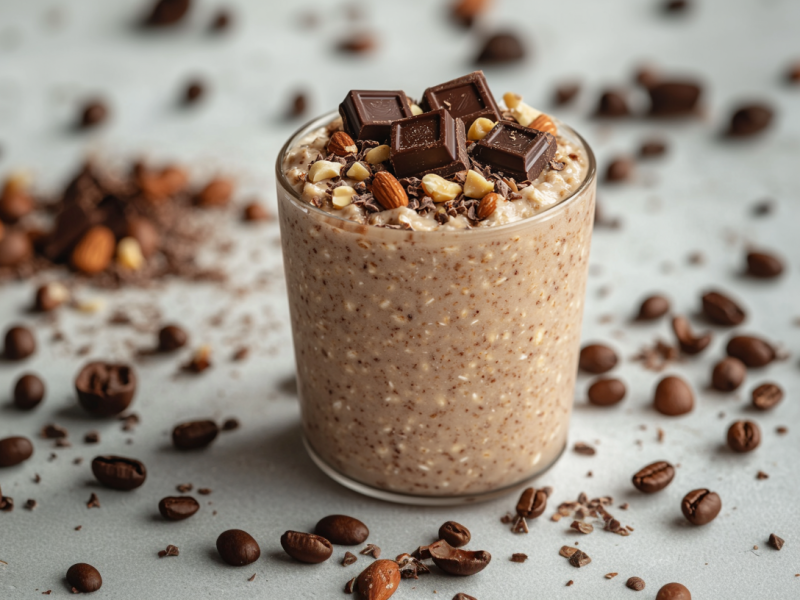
(544, 123)
(488, 205)
(379, 580)
(341, 144)
(388, 191)
(218, 192)
(95, 250)
(158, 186)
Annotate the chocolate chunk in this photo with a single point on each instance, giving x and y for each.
(728, 374)
(368, 115)
(763, 265)
(54, 432)
(654, 477)
(620, 169)
(84, 578)
(612, 104)
(606, 391)
(93, 113)
(766, 396)
(194, 92)
(597, 359)
(119, 473)
(170, 551)
(566, 93)
(673, 396)
(674, 98)
(775, 541)
(500, 49)
(361, 42)
(6, 504)
(674, 591)
(744, 436)
(342, 530)
(237, 548)
(584, 449)
(752, 351)
(230, 424)
(171, 337)
(750, 120)
(432, 142)
(166, 13)
(652, 148)
(28, 392)
(701, 506)
(14, 450)
(676, 6)
(221, 21)
(194, 434)
(306, 547)
(91, 437)
(454, 534)
(653, 307)
(688, 341)
(105, 389)
(455, 561)
(516, 151)
(721, 310)
(298, 105)
(467, 98)
(178, 508)
(19, 343)
(532, 503)
(635, 583)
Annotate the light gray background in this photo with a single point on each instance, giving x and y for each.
(698, 198)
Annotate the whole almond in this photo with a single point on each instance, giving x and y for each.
(544, 123)
(218, 192)
(95, 250)
(379, 580)
(339, 143)
(388, 191)
(488, 205)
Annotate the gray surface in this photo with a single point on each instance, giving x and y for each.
(697, 199)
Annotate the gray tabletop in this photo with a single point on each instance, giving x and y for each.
(695, 202)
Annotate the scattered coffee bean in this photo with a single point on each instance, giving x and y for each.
(204, 491)
(93, 113)
(728, 374)
(170, 551)
(744, 436)
(606, 391)
(342, 530)
(566, 93)
(620, 169)
(519, 557)
(362, 42)
(379, 580)
(93, 502)
(230, 424)
(298, 106)
(195, 90)
(349, 559)
(775, 541)
(750, 120)
(652, 149)
(6, 504)
(91, 437)
(31, 504)
(721, 310)
(752, 351)
(501, 49)
(14, 450)
(635, 583)
(171, 337)
(54, 432)
(371, 550)
(15, 247)
(255, 212)
(612, 104)
(653, 307)
(105, 389)
(455, 561)
(689, 343)
(532, 503)
(454, 534)
(28, 392)
(178, 508)
(84, 578)
(19, 343)
(119, 473)
(700, 507)
(597, 359)
(237, 548)
(654, 477)
(584, 449)
(763, 265)
(761, 475)
(582, 527)
(194, 434)
(674, 591)
(674, 98)
(306, 547)
(766, 396)
(166, 13)
(673, 396)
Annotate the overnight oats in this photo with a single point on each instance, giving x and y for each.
(436, 256)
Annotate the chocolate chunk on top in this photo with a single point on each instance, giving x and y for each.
(368, 115)
(515, 150)
(432, 142)
(467, 98)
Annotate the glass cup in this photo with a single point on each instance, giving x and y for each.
(436, 367)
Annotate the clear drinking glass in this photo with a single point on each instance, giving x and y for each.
(436, 367)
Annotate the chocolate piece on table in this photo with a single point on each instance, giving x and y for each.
(515, 150)
(432, 142)
(467, 98)
(368, 115)
(674, 98)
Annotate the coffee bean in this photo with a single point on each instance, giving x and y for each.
(674, 98)
(19, 343)
(766, 396)
(775, 541)
(597, 359)
(652, 148)
(728, 374)
(194, 434)
(455, 561)
(673, 396)
(501, 48)
(674, 591)
(653, 307)
(28, 392)
(701, 506)
(105, 389)
(93, 113)
(606, 391)
(744, 436)
(14, 450)
(237, 548)
(531, 503)
(752, 351)
(343, 530)
(454, 534)
(306, 547)
(84, 578)
(171, 337)
(750, 119)
(379, 581)
(612, 104)
(763, 265)
(689, 343)
(230, 424)
(166, 13)
(178, 508)
(119, 473)
(620, 169)
(654, 477)
(15, 247)
(255, 212)
(194, 91)
(635, 583)
(566, 93)
(721, 310)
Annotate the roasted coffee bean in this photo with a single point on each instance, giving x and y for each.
(458, 562)
(744, 436)
(597, 359)
(501, 48)
(674, 591)
(14, 450)
(306, 547)
(454, 534)
(689, 343)
(606, 391)
(750, 120)
(166, 13)
(673, 396)
(119, 473)
(28, 392)
(766, 396)
(178, 508)
(105, 389)
(93, 113)
(653, 307)
(19, 343)
(171, 337)
(652, 148)
(620, 169)
(674, 98)
(531, 503)
(84, 578)
(701, 506)
(379, 581)
(728, 374)
(654, 477)
(763, 265)
(635, 583)
(194, 434)
(237, 548)
(721, 310)
(343, 530)
(752, 351)
(612, 104)
(566, 93)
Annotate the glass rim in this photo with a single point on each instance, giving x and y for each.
(546, 214)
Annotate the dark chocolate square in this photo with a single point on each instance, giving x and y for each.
(368, 115)
(515, 150)
(432, 142)
(467, 98)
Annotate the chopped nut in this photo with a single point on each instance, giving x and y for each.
(439, 189)
(129, 254)
(323, 169)
(512, 100)
(480, 128)
(92, 305)
(342, 196)
(476, 186)
(416, 110)
(523, 113)
(342, 144)
(358, 172)
(378, 155)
